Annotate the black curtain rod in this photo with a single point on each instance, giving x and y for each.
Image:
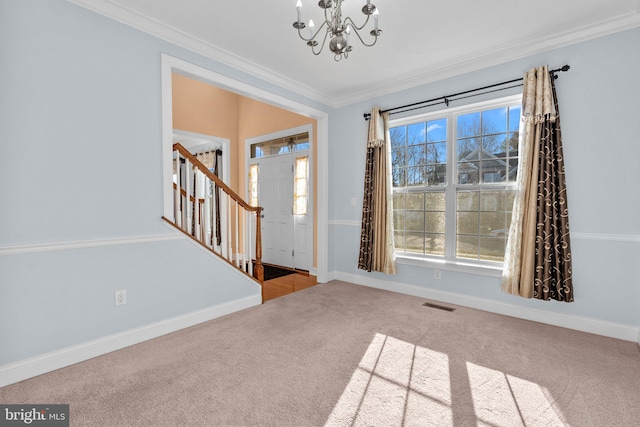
(447, 98)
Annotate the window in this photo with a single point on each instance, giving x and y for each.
(288, 144)
(453, 179)
(253, 185)
(300, 185)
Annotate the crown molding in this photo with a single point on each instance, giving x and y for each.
(491, 57)
(483, 59)
(172, 35)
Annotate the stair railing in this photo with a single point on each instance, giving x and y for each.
(210, 212)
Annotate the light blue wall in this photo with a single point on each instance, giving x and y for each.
(80, 132)
(81, 161)
(600, 116)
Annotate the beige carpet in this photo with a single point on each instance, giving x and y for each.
(342, 354)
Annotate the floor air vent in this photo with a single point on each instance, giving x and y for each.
(439, 307)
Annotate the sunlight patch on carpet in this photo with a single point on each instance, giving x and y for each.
(500, 399)
(398, 383)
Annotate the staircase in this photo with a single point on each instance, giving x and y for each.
(212, 214)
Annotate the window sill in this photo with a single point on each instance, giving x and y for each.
(459, 266)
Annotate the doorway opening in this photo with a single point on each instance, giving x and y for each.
(170, 65)
(280, 180)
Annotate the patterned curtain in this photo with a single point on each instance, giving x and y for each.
(212, 159)
(207, 158)
(538, 254)
(217, 171)
(376, 238)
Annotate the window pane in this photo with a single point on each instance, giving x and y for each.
(398, 220)
(399, 177)
(492, 248)
(467, 247)
(437, 153)
(415, 201)
(302, 146)
(415, 176)
(434, 244)
(416, 134)
(494, 121)
(437, 130)
(300, 186)
(253, 184)
(498, 226)
(493, 224)
(435, 201)
(398, 156)
(279, 147)
(483, 223)
(414, 221)
(493, 170)
(255, 151)
(514, 118)
(467, 223)
(469, 125)
(398, 136)
(398, 201)
(436, 175)
(469, 172)
(416, 155)
(468, 200)
(415, 242)
(513, 143)
(513, 170)
(511, 194)
(495, 200)
(494, 146)
(435, 222)
(398, 241)
(468, 149)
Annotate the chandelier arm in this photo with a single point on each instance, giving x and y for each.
(314, 35)
(360, 38)
(353, 24)
(324, 40)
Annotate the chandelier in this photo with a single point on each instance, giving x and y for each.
(338, 31)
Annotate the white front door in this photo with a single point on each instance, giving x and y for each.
(275, 180)
(287, 238)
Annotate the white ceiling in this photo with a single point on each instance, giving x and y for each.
(422, 40)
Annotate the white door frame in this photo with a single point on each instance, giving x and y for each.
(170, 64)
(281, 134)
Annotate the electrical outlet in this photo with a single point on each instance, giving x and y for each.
(354, 201)
(121, 297)
(437, 274)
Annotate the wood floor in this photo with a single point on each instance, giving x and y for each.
(286, 285)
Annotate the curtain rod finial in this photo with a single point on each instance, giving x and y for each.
(367, 116)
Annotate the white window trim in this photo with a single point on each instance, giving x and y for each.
(449, 262)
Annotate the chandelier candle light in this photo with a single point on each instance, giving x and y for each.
(338, 31)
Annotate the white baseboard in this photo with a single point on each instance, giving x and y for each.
(48, 362)
(579, 323)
